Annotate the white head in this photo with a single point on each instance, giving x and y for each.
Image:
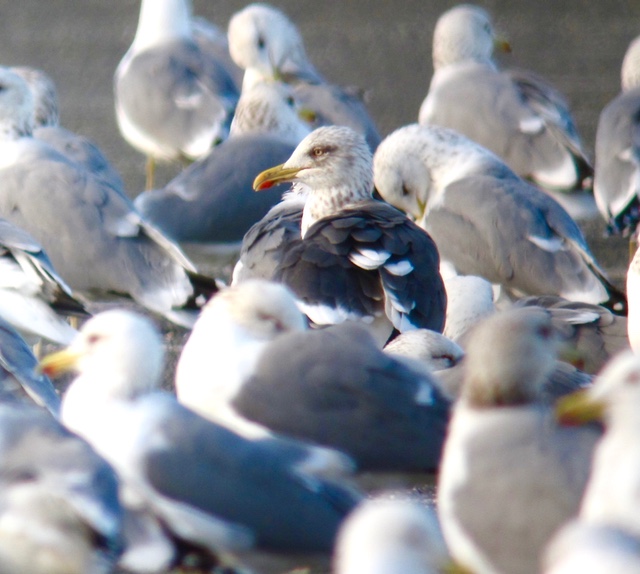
(117, 352)
(463, 34)
(266, 44)
(162, 21)
(16, 105)
(390, 536)
(630, 74)
(269, 108)
(263, 309)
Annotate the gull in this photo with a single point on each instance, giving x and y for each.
(47, 128)
(211, 488)
(211, 203)
(267, 45)
(334, 387)
(359, 259)
(503, 444)
(611, 496)
(172, 100)
(98, 243)
(617, 168)
(487, 221)
(33, 297)
(516, 114)
(581, 546)
(391, 534)
(59, 506)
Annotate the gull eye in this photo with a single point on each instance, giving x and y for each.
(318, 151)
(545, 332)
(261, 42)
(291, 102)
(405, 191)
(93, 339)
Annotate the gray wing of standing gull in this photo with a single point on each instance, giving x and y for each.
(212, 201)
(176, 97)
(92, 233)
(336, 388)
(617, 170)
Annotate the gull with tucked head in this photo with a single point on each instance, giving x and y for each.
(486, 220)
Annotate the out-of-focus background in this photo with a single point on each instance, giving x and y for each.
(380, 46)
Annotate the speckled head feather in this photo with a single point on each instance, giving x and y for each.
(269, 108)
(16, 105)
(46, 111)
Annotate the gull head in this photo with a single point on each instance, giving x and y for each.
(509, 356)
(43, 89)
(465, 34)
(259, 308)
(266, 44)
(16, 105)
(334, 165)
(120, 351)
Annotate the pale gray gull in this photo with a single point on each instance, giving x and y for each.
(359, 259)
(266, 374)
(211, 488)
(173, 101)
(617, 169)
(486, 220)
(612, 494)
(516, 114)
(77, 148)
(510, 473)
(95, 238)
(212, 203)
(267, 45)
(59, 506)
(581, 546)
(391, 534)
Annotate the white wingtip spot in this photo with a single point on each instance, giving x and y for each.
(400, 268)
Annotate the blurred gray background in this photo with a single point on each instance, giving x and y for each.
(380, 46)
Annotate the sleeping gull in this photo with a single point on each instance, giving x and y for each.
(172, 100)
(510, 474)
(330, 386)
(212, 201)
(210, 487)
(386, 269)
(59, 507)
(515, 114)
(267, 45)
(95, 238)
(391, 535)
(617, 169)
(486, 220)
